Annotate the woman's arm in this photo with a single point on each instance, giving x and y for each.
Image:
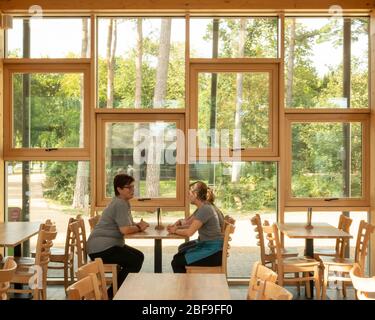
(189, 231)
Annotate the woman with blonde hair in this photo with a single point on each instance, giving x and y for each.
(208, 221)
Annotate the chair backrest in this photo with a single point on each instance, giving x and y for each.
(272, 291)
(365, 286)
(256, 221)
(6, 275)
(229, 229)
(69, 239)
(47, 233)
(275, 246)
(259, 274)
(97, 268)
(84, 289)
(79, 231)
(342, 243)
(363, 238)
(93, 221)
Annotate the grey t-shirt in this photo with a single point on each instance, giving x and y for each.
(106, 233)
(210, 229)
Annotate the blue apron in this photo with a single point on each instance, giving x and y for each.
(203, 249)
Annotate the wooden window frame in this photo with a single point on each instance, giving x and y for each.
(237, 65)
(101, 120)
(320, 202)
(12, 66)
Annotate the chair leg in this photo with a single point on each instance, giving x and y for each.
(296, 275)
(72, 271)
(114, 280)
(344, 289)
(325, 282)
(317, 282)
(307, 285)
(66, 279)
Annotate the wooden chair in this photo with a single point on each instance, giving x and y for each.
(93, 221)
(38, 271)
(65, 257)
(342, 266)
(259, 274)
(97, 268)
(341, 243)
(272, 291)
(267, 258)
(86, 288)
(79, 232)
(6, 275)
(295, 265)
(229, 229)
(365, 287)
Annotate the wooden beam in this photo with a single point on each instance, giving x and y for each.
(372, 139)
(185, 4)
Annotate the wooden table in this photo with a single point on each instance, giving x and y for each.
(13, 234)
(158, 236)
(320, 230)
(173, 286)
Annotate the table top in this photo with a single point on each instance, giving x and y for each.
(152, 233)
(14, 233)
(320, 230)
(173, 286)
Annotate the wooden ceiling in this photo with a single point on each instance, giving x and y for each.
(87, 5)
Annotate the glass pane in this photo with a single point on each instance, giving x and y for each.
(48, 38)
(233, 37)
(241, 190)
(141, 63)
(236, 105)
(147, 151)
(327, 160)
(47, 110)
(326, 62)
(40, 190)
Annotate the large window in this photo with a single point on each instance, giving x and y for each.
(328, 159)
(47, 110)
(234, 108)
(141, 63)
(254, 37)
(49, 37)
(326, 62)
(149, 150)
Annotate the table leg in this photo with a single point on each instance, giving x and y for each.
(157, 256)
(309, 252)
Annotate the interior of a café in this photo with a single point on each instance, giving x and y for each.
(121, 168)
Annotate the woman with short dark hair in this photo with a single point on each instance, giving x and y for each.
(106, 241)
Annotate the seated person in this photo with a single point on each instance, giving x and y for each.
(106, 240)
(207, 250)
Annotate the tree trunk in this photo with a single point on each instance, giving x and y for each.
(82, 177)
(236, 168)
(137, 105)
(154, 151)
(290, 64)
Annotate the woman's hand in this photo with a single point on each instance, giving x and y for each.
(172, 228)
(143, 225)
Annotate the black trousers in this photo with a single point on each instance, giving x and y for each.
(129, 260)
(179, 262)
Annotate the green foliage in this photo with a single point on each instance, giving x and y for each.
(60, 181)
